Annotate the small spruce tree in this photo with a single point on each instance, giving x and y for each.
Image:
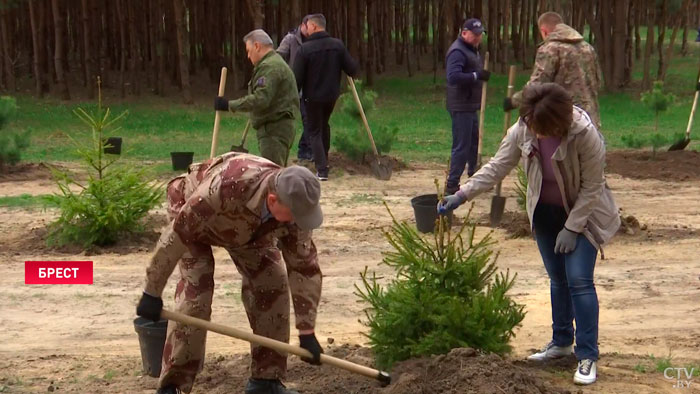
(11, 144)
(446, 293)
(656, 100)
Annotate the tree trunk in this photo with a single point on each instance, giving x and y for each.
(650, 13)
(182, 46)
(233, 75)
(122, 47)
(660, 41)
(676, 26)
(8, 54)
(36, 49)
(58, 50)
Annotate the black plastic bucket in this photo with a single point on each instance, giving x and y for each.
(425, 210)
(181, 160)
(115, 147)
(152, 340)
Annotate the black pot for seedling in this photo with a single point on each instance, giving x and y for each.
(113, 145)
(181, 160)
(151, 340)
(425, 210)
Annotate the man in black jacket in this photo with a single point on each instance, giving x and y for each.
(317, 68)
(465, 77)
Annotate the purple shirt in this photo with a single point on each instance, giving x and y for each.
(549, 194)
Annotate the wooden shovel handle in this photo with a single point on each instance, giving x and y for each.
(506, 120)
(274, 344)
(692, 112)
(362, 114)
(483, 107)
(217, 116)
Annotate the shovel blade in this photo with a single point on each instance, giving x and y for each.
(381, 168)
(498, 204)
(680, 145)
(239, 149)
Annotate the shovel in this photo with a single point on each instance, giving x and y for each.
(217, 116)
(481, 113)
(680, 145)
(381, 167)
(241, 148)
(498, 202)
(383, 377)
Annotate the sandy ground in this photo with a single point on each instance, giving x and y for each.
(83, 336)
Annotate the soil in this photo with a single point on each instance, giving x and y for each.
(514, 223)
(676, 166)
(25, 171)
(81, 338)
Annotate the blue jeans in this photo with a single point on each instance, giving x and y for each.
(465, 145)
(572, 289)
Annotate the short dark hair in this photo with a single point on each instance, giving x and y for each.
(304, 19)
(318, 19)
(550, 19)
(547, 109)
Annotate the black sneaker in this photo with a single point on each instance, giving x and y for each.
(322, 175)
(169, 389)
(266, 386)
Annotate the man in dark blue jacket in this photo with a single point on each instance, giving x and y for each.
(317, 68)
(465, 77)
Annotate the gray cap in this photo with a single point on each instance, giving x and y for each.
(299, 189)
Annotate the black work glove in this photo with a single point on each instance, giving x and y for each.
(508, 104)
(150, 307)
(697, 87)
(310, 343)
(483, 75)
(221, 104)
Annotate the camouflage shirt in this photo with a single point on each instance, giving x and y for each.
(566, 59)
(221, 202)
(272, 92)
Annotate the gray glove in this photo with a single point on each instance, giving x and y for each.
(451, 202)
(566, 242)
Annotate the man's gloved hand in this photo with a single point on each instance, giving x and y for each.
(310, 343)
(150, 307)
(221, 104)
(566, 241)
(451, 202)
(483, 75)
(508, 104)
(697, 87)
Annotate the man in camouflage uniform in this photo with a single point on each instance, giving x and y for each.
(245, 204)
(272, 98)
(566, 59)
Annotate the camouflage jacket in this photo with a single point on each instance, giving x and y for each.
(566, 59)
(220, 202)
(272, 92)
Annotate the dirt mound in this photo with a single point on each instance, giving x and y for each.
(339, 161)
(33, 238)
(463, 370)
(667, 166)
(26, 172)
(515, 223)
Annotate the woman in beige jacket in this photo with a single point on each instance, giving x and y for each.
(571, 211)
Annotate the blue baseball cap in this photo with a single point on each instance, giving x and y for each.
(474, 25)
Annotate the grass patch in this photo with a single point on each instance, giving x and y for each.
(416, 106)
(22, 201)
(641, 368)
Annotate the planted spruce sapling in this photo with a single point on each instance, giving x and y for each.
(112, 200)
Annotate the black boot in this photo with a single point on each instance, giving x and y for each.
(169, 389)
(266, 386)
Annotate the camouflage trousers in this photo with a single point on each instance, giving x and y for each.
(265, 295)
(275, 140)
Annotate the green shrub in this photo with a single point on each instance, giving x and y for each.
(367, 98)
(11, 144)
(445, 294)
(111, 202)
(355, 144)
(657, 101)
(634, 141)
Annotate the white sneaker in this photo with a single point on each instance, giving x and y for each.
(551, 351)
(587, 372)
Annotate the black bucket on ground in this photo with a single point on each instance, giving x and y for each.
(181, 160)
(113, 145)
(425, 210)
(151, 339)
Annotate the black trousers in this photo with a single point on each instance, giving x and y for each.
(317, 116)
